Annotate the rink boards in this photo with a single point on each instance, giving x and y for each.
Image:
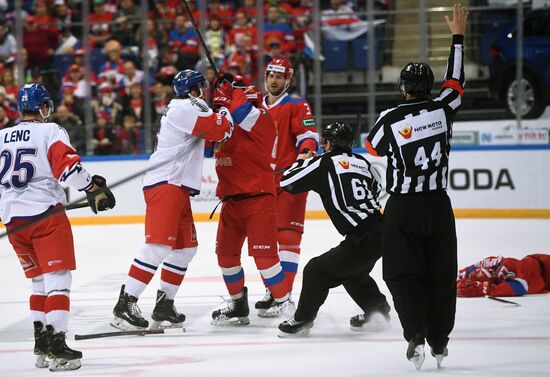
(484, 182)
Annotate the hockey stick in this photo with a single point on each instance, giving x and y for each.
(72, 205)
(207, 52)
(515, 304)
(111, 334)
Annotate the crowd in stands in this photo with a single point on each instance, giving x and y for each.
(54, 54)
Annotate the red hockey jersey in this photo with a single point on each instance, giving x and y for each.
(296, 129)
(245, 164)
(507, 276)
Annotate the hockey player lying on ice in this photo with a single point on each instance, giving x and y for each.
(500, 276)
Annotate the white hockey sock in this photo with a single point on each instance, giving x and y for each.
(144, 267)
(174, 269)
(57, 286)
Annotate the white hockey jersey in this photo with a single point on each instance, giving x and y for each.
(34, 158)
(179, 154)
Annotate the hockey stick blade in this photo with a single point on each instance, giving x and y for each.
(515, 304)
(118, 333)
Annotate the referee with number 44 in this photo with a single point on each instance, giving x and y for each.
(419, 251)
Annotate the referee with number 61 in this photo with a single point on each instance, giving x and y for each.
(419, 247)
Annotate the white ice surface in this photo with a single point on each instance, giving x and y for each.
(489, 339)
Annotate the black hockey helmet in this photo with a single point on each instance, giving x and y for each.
(416, 79)
(340, 135)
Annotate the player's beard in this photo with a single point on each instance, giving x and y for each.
(276, 92)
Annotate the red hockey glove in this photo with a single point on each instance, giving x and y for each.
(222, 95)
(469, 288)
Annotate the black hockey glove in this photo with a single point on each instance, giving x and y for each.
(101, 199)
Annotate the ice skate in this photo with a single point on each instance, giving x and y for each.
(127, 313)
(439, 354)
(62, 357)
(375, 321)
(165, 315)
(285, 309)
(234, 314)
(292, 328)
(415, 352)
(265, 303)
(41, 336)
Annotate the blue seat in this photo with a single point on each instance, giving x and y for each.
(62, 63)
(336, 55)
(360, 50)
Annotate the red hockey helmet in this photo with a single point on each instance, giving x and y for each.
(279, 65)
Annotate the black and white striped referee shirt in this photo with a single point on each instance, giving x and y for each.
(346, 183)
(416, 135)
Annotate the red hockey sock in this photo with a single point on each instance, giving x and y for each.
(233, 274)
(273, 276)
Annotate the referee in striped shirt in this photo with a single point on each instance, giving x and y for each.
(419, 237)
(349, 188)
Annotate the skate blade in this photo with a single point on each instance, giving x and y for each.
(165, 325)
(41, 361)
(418, 357)
(439, 360)
(57, 365)
(303, 332)
(237, 321)
(121, 324)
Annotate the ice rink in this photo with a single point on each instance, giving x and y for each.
(489, 339)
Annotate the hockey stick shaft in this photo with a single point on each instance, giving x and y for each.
(118, 333)
(76, 206)
(503, 300)
(72, 205)
(206, 50)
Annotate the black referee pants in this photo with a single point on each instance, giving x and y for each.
(349, 264)
(419, 256)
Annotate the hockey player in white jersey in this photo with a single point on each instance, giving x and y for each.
(35, 157)
(175, 172)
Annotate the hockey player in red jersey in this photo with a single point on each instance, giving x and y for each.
(245, 165)
(36, 157)
(297, 133)
(500, 276)
(175, 171)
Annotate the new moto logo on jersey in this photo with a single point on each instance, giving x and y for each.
(344, 164)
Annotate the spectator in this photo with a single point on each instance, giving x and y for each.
(223, 12)
(184, 38)
(8, 44)
(131, 76)
(104, 137)
(126, 23)
(128, 136)
(108, 102)
(242, 27)
(76, 82)
(72, 124)
(5, 121)
(74, 105)
(170, 57)
(100, 27)
(274, 51)
(275, 27)
(78, 58)
(9, 107)
(8, 82)
(43, 19)
(157, 37)
(249, 9)
(113, 69)
(162, 91)
(215, 40)
(63, 16)
(40, 44)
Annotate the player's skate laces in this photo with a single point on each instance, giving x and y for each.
(235, 313)
(285, 308)
(128, 314)
(375, 321)
(265, 303)
(62, 357)
(41, 339)
(415, 352)
(439, 354)
(165, 311)
(294, 328)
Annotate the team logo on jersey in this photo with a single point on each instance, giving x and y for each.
(26, 262)
(308, 122)
(344, 164)
(406, 132)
